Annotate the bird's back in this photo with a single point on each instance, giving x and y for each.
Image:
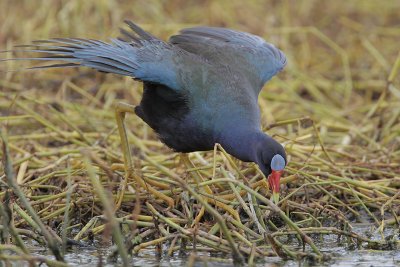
(215, 98)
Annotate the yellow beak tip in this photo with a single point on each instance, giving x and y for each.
(275, 197)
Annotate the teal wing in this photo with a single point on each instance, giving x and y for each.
(245, 53)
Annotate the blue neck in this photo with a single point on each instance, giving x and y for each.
(248, 145)
(253, 146)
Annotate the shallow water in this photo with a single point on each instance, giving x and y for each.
(341, 256)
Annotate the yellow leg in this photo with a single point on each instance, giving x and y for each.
(120, 111)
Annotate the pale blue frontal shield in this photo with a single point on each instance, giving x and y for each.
(277, 163)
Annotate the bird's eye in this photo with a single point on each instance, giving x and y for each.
(277, 163)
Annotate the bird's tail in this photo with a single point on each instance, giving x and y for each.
(119, 56)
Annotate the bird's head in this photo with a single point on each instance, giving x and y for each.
(262, 149)
(272, 161)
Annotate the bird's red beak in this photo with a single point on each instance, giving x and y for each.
(274, 183)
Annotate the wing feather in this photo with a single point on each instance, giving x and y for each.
(141, 56)
(243, 52)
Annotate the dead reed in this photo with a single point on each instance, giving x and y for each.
(336, 108)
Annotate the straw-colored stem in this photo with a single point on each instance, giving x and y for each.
(52, 242)
(108, 208)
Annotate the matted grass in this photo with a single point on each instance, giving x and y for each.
(336, 108)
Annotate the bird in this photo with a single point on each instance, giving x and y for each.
(201, 87)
